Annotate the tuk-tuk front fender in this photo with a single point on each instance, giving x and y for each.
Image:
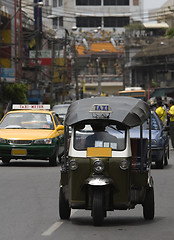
(98, 181)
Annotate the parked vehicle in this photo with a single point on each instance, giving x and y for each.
(103, 169)
(61, 110)
(31, 132)
(159, 140)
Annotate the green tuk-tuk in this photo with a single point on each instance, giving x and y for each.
(103, 169)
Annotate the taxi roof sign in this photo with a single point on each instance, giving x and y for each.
(31, 106)
(101, 108)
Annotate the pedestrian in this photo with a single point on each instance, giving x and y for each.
(170, 113)
(161, 111)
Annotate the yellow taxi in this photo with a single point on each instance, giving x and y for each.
(31, 132)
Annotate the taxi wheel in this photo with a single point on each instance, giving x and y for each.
(166, 157)
(53, 161)
(6, 160)
(160, 164)
(149, 205)
(64, 209)
(98, 212)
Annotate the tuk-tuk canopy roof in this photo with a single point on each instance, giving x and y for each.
(125, 110)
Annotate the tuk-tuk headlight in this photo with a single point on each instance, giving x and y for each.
(73, 165)
(98, 166)
(124, 164)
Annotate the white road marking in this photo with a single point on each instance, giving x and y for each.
(55, 226)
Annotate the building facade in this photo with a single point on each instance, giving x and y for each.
(91, 14)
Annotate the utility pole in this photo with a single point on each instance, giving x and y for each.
(64, 70)
(52, 66)
(75, 69)
(18, 40)
(99, 75)
(38, 28)
(0, 41)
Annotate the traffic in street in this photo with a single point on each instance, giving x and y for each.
(29, 207)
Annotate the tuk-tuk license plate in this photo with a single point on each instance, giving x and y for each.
(19, 152)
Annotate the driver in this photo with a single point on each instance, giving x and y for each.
(99, 135)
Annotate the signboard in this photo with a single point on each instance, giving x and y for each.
(44, 57)
(41, 62)
(8, 75)
(40, 54)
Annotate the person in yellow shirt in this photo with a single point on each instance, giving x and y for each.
(170, 113)
(161, 111)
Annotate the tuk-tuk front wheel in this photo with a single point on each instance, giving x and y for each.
(98, 212)
(149, 205)
(64, 209)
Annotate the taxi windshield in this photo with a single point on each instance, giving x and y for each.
(99, 136)
(27, 120)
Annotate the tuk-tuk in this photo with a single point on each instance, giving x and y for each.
(103, 169)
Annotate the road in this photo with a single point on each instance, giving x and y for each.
(29, 208)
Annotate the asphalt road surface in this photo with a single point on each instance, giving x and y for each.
(29, 208)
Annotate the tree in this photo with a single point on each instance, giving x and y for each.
(14, 93)
(170, 33)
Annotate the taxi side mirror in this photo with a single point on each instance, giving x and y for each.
(59, 127)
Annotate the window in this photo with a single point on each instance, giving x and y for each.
(60, 21)
(54, 3)
(60, 3)
(116, 2)
(135, 2)
(55, 23)
(99, 136)
(116, 21)
(56, 120)
(46, 2)
(88, 21)
(88, 2)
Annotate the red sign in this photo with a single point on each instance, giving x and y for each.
(41, 62)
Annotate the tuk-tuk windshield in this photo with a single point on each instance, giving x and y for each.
(99, 136)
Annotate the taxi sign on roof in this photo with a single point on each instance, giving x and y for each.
(100, 108)
(31, 106)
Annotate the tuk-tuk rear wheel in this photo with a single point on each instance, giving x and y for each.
(98, 212)
(64, 209)
(149, 205)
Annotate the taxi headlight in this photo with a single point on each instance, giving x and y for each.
(124, 164)
(43, 141)
(2, 140)
(98, 166)
(73, 165)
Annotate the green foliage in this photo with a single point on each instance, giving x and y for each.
(170, 33)
(134, 27)
(14, 93)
